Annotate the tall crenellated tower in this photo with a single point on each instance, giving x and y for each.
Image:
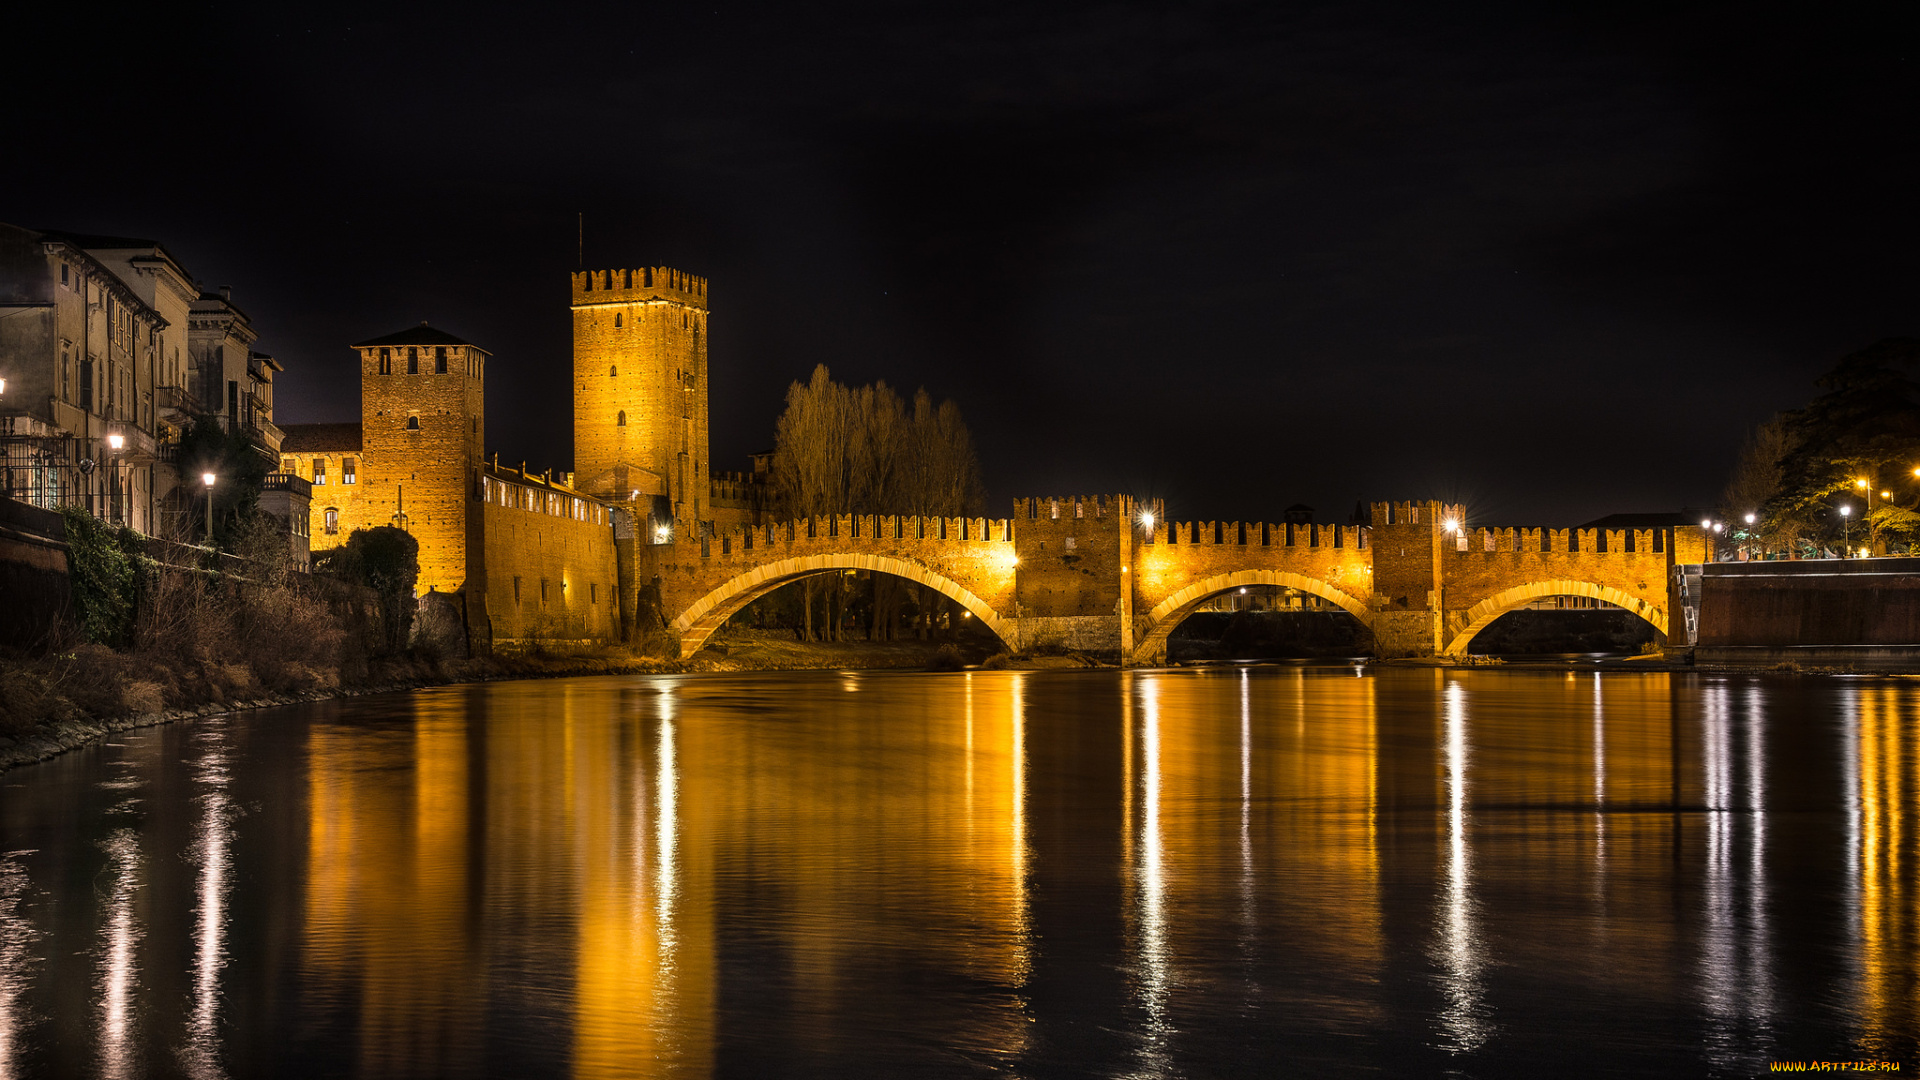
(422, 424)
(640, 389)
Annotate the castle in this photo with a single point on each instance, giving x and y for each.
(534, 557)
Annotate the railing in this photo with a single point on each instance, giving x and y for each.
(178, 400)
(283, 481)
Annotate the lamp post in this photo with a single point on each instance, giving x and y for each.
(1846, 516)
(208, 478)
(1750, 536)
(115, 442)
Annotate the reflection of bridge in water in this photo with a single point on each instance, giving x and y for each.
(1101, 574)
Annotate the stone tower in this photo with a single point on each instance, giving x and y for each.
(422, 424)
(640, 390)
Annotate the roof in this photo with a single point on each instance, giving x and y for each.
(103, 243)
(414, 335)
(318, 438)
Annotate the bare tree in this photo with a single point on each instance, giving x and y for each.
(859, 451)
(1757, 482)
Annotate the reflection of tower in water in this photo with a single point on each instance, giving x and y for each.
(1883, 794)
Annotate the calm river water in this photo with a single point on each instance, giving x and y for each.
(1267, 871)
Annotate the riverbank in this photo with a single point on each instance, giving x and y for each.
(66, 701)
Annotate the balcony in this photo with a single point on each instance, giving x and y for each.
(287, 482)
(177, 404)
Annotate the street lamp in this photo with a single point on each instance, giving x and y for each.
(207, 478)
(1846, 515)
(115, 441)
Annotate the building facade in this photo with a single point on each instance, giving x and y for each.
(80, 356)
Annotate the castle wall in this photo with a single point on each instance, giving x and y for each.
(547, 568)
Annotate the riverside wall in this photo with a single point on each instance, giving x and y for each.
(1858, 613)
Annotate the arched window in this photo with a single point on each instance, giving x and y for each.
(413, 423)
(621, 420)
(616, 320)
(613, 372)
(330, 521)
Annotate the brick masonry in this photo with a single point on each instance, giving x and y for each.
(1088, 569)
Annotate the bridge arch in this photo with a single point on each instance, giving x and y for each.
(1169, 613)
(1481, 615)
(701, 618)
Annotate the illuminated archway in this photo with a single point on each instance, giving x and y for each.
(707, 614)
(1481, 615)
(1169, 613)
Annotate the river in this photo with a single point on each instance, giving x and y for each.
(1313, 871)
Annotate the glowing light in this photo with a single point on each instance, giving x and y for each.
(1717, 526)
(207, 478)
(1859, 483)
(1845, 511)
(1146, 519)
(116, 440)
(1705, 524)
(1749, 519)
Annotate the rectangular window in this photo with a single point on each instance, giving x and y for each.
(346, 470)
(319, 471)
(543, 590)
(593, 593)
(63, 275)
(386, 361)
(439, 359)
(413, 360)
(516, 589)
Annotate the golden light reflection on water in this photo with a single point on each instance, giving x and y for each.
(664, 876)
(387, 916)
(1266, 796)
(1885, 797)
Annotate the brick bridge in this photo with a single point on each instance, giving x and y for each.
(1096, 573)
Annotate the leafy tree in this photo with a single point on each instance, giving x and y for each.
(1865, 426)
(239, 466)
(104, 571)
(386, 560)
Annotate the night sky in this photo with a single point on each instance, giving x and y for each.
(1551, 261)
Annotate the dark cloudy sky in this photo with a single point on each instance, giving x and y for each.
(1551, 260)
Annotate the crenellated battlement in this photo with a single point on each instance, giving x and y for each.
(1427, 513)
(1519, 540)
(638, 286)
(1260, 534)
(1069, 508)
(848, 531)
